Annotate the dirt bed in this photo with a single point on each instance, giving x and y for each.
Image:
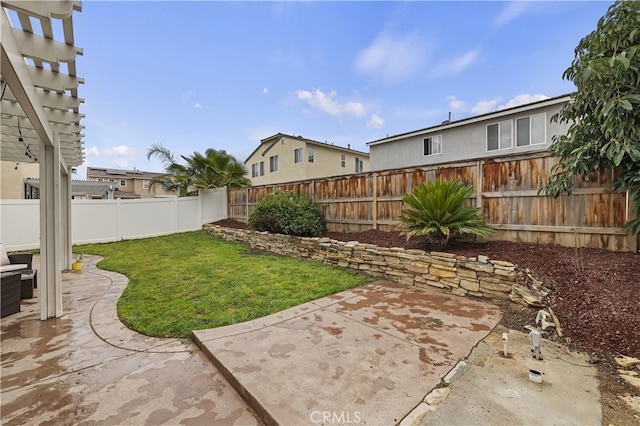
(596, 298)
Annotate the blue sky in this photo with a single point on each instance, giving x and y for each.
(223, 75)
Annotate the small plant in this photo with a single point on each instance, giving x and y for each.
(437, 210)
(288, 213)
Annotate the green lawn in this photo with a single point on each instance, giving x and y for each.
(190, 281)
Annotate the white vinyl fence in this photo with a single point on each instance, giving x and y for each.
(94, 221)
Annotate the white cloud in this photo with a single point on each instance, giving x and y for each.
(484, 107)
(120, 150)
(460, 63)
(392, 58)
(330, 104)
(265, 90)
(188, 95)
(198, 105)
(511, 12)
(93, 151)
(118, 155)
(456, 104)
(491, 105)
(523, 99)
(375, 121)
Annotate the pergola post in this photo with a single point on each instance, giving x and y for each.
(50, 231)
(65, 192)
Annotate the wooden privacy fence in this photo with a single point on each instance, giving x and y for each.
(506, 191)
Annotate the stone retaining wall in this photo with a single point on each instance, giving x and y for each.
(479, 277)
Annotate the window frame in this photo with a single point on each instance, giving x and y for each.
(543, 115)
(499, 125)
(431, 141)
(146, 183)
(343, 160)
(311, 154)
(359, 165)
(123, 183)
(297, 155)
(273, 163)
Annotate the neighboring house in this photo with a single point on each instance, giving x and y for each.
(20, 181)
(13, 177)
(285, 158)
(129, 183)
(518, 130)
(80, 190)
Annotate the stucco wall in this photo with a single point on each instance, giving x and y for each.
(12, 179)
(460, 142)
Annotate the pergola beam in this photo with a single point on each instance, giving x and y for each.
(44, 49)
(44, 10)
(53, 100)
(15, 72)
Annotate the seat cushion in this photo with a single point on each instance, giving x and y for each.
(4, 258)
(13, 267)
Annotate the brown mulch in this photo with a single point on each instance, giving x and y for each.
(596, 298)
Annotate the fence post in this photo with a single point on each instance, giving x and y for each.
(200, 208)
(175, 213)
(118, 219)
(374, 201)
(479, 184)
(246, 206)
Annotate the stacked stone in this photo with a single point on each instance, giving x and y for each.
(459, 275)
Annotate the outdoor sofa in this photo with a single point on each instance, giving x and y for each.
(14, 262)
(12, 266)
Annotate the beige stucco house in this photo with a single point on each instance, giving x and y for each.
(13, 177)
(286, 158)
(129, 183)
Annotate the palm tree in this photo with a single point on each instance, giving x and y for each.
(437, 210)
(177, 178)
(215, 169)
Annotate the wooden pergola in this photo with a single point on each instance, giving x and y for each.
(40, 119)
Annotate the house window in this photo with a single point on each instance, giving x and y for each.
(297, 155)
(531, 130)
(262, 168)
(123, 182)
(310, 151)
(254, 170)
(343, 161)
(273, 163)
(145, 184)
(359, 165)
(499, 136)
(100, 180)
(432, 145)
(112, 180)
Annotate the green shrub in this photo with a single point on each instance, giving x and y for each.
(437, 209)
(288, 213)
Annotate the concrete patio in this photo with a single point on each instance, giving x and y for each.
(88, 368)
(373, 355)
